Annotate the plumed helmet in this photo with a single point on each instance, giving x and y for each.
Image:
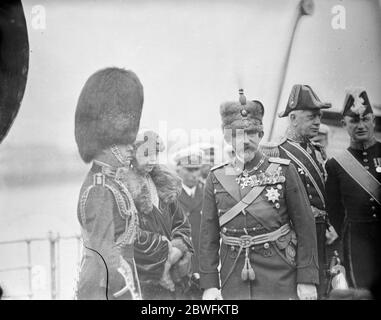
(356, 103)
(108, 111)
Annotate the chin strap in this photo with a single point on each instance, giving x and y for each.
(124, 159)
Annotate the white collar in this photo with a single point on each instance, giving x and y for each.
(190, 191)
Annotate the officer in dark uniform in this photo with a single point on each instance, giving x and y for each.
(257, 207)
(353, 193)
(188, 168)
(106, 124)
(304, 112)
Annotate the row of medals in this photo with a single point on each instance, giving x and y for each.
(272, 194)
(264, 178)
(377, 164)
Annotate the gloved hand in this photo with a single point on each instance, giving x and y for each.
(331, 235)
(174, 255)
(183, 268)
(166, 280)
(212, 294)
(306, 291)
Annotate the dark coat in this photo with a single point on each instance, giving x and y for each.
(159, 224)
(107, 244)
(356, 217)
(151, 250)
(316, 201)
(192, 207)
(276, 273)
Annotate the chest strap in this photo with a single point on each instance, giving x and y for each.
(359, 174)
(247, 200)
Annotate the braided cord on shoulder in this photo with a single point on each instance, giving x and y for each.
(82, 204)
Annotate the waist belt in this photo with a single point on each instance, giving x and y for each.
(246, 241)
(318, 212)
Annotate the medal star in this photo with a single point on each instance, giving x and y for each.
(272, 194)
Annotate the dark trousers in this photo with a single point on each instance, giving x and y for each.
(321, 228)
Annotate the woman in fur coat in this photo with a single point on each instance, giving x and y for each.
(163, 248)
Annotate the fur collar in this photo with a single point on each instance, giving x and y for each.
(168, 185)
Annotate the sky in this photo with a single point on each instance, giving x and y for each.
(190, 56)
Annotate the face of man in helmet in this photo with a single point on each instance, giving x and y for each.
(189, 175)
(245, 142)
(360, 129)
(306, 123)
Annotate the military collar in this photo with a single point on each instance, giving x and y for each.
(363, 146)
(239, 166)
(296, 137)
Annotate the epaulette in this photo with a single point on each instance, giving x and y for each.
(270, 149)
(280, 160)
(99, 179)
(220, 165)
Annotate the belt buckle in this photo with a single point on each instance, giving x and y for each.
(245, 241)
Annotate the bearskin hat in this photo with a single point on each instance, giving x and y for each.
(108, 111)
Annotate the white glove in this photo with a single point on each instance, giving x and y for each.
(306, 291)
(212, 294)
(331, 235)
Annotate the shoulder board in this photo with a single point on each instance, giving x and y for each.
(220, 165)
(279, 160)
(99, 179)
(270, 149)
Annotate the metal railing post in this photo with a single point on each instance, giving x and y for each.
(53, 267)
(29, 266)
(58, 266)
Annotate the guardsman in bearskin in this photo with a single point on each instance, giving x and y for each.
(304, 112)
(163, 247)
(188, 164)
(106, 123)
(353, 193)
(257, 207)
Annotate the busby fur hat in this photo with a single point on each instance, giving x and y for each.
(242, 114)
(108, 111)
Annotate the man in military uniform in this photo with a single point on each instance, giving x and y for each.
(106, 123)
(353, 193)
(304, 112)
(257, 207)
(189, 162)
(208, 160)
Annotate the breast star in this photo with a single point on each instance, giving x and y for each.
(272, 194)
